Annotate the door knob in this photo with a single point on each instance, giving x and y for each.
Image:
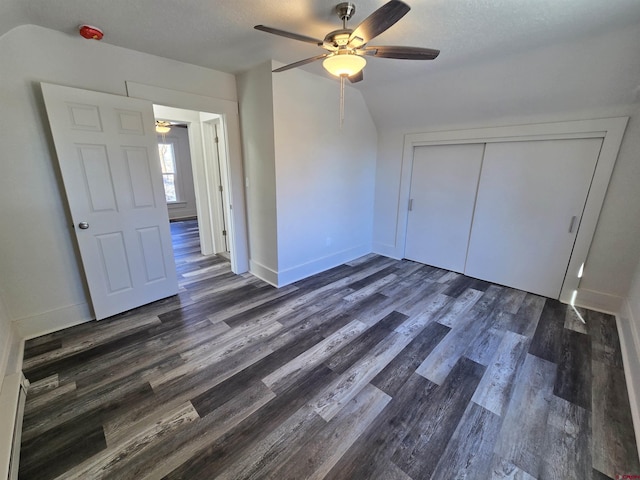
(83, 225)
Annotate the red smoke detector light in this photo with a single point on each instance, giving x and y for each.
(87, 31)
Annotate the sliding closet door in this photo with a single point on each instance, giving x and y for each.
(530, 201)
(444, 180)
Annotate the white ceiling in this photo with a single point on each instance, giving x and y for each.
(219, 34)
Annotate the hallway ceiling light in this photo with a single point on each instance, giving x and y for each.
(163, 127)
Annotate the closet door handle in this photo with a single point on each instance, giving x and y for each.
(572, 223)
(410, 204)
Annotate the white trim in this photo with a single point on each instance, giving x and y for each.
(386, 249)
(598, 301)
(10, 381)
(229, 111)
(630, 346)
(5, 351)
(263, 273)
(304, 270)
(610, 130)
(290, 275)
(10, 421)
(52, 321)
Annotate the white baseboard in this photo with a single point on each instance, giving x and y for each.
(11, 423)
(287, 276)
(5, 351)
(10, 382)
(387, 250)
(263, 273)
(599, 301)
(298, 272)
(629, 333)
(52, 321)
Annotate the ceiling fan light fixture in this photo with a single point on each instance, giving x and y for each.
(347, 64)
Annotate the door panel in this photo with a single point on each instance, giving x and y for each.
(444, 180)
(141, 184)
(107, 151)
(528, 196)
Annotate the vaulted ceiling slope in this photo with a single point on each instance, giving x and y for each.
(501, 51)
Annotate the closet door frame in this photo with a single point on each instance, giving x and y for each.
(611, 130)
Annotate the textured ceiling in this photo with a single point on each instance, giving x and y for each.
(219, 34)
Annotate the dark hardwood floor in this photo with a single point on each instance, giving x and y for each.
(377, 369)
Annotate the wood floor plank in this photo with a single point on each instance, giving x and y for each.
(573, 320)
(604, 338)
(321, 451)
(426, 439)
(174, 389)
(547, 340)
(495, 388)
(350, 353)
(502, 469)
(458, 309)
(314, 356)
(45, 364)
(567, 444)
(61, 448)
(372, 452)
(437, 366)
(398, 371)
(99, 405)
(198, 436)
(522, 436)
(573, 380)
(43, 385)
(470, 451)
(341, 391)
(614, 444)
(527, 317)
(232, 446)
(49, 396)
(145, 440)
(483, 348)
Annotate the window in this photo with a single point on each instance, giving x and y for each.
(169, 173)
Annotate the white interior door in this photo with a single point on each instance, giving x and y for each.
(444, 180)
(108, 156)
(529, 206)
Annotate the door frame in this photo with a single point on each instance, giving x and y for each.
(611, 130)
(228, 111)
(215, 152)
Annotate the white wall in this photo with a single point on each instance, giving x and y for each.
(594, 78)
(186, 206)
(8, 343)
(325, 174)
(310, 183)
(10, 374)
(256, 119)
(629, 329)
(41, 279)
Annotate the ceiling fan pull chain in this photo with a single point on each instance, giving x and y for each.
(342, 78)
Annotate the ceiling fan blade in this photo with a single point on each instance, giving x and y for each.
(379, 21)
(358, 77)
(284, 33)
(407, 53)
(301, 62)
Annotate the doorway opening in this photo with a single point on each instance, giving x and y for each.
(194, 156)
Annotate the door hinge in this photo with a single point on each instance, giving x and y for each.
(220, 188)
(217, 140)
(224, 233)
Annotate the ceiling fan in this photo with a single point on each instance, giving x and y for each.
(347, 48)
